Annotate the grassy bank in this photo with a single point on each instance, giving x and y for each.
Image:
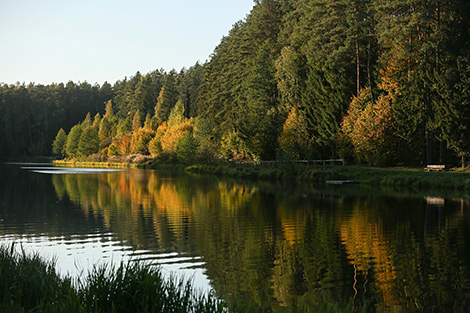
(29, 283)
(274, 171)
(399, 178)
(408, 178)
(294, 172)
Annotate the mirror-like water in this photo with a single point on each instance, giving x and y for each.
(281, 245)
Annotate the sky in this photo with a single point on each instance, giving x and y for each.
(54, 41)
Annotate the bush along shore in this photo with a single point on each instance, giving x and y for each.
(402, 178)
(29, 283)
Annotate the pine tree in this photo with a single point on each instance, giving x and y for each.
(167, 98)
(96, 121)
(87, 122)
(109, 111)
(136, 121)
(262, 122)
(104, 129)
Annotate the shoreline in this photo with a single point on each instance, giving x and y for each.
(401, 178)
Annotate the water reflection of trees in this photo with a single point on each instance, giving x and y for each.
(289, 249)
(412, 256)
(29, 206)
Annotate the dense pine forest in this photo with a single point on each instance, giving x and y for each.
(379, 82)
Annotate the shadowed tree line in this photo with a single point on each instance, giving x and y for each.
(375, 82)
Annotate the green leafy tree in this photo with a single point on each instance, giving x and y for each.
(58, 146)
(186, 148)
(88, 142)
(73, 138)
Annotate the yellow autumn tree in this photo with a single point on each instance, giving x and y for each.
(169, 136)
(155, 145)
(175, 134)
(294, 140)
(369, 126)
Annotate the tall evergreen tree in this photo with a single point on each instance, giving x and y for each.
(262, 121)
(167, 97)
(136, 121)
(105, 129)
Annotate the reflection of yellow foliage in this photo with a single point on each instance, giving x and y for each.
(366, 245)
(120, 198)
(293, 225)
(233, 197)
(285, 272)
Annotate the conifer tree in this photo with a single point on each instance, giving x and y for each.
(96, 121)
(87, 122)
(262, 116)
(104, 129)
(136, 121)
(167, 98)
(148, 124)
(109, 112)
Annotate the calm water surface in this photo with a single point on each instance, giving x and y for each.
(276, 245)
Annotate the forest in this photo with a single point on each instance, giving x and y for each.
(378, 82)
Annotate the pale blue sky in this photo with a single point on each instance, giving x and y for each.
(46, 41)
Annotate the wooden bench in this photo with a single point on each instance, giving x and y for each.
(437, 168)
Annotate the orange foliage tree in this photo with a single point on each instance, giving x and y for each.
(368, 126)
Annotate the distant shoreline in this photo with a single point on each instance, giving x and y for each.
(403, 178)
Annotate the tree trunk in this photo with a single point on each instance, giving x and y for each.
(429, 147)
(442, 150)
(369, 76)
(358, 68)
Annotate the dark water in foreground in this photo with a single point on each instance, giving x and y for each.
(276, 245)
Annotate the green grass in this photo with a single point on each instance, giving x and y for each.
(274, 171)
(407, 178)
(397, 178)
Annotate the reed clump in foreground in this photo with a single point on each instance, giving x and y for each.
(29, 283)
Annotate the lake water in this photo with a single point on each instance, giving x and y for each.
(280, 245)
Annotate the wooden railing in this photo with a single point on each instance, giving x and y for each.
(323, 162)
